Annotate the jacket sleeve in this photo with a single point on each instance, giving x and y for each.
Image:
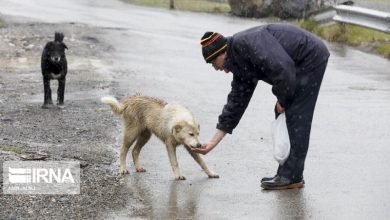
(266, 53)
(237, 101)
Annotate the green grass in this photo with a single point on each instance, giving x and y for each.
(384, 49)
(353, 35)
(186, 5)
(2, 23)
(15, 149)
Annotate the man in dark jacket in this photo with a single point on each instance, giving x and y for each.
(293, 61)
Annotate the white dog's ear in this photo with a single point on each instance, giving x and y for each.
(177, 128)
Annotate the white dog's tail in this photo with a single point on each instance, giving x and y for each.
(116, 107)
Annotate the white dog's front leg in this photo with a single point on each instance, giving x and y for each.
(202, 164)
(173, 160)
(122, 158)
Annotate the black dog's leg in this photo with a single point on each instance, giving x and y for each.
(46, 86)
(61, 91)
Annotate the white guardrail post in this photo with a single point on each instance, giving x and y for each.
(369, 18)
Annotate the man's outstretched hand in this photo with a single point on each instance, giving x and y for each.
(204, 149)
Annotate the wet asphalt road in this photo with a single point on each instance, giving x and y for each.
(157, 52)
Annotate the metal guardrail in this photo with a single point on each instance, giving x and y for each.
(369, 18)
(364, 17)
(324, 16)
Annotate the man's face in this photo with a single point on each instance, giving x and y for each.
(218, 63)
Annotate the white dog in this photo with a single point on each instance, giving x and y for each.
(171, 123)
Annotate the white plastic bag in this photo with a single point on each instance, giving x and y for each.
(281, 139)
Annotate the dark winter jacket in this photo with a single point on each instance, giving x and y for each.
(274, 53)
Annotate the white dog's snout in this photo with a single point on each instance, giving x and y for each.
(194, 143)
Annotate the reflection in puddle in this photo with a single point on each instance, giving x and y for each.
(174, 200)
(290, 203)
(180, 201)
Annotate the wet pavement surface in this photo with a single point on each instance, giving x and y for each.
(157, 52)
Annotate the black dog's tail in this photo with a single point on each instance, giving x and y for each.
(58, 37)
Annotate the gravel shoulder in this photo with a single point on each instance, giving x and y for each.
(82, 131)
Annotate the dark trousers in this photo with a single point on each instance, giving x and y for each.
(299, 117)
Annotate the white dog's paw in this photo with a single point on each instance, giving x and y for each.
(140, 170)
(124, 171)
(213, 175)
(180, 178)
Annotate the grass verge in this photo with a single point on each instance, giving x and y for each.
(2, 23)
(15, 149)
(186, 5)
(377, 42)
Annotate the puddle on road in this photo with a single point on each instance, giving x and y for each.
(80, 70)
(69, 96)
(21, 63)
(367, 88)
(362, 88)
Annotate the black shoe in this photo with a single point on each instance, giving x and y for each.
(270, 178)
(267, 178)
(280, 182)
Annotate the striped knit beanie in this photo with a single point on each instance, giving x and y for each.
(213, 45)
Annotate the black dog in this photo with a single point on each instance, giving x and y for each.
(54, 66)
